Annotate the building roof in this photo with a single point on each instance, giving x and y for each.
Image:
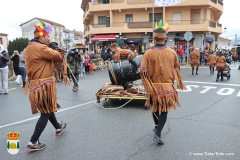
(66, 30)
(3, 34)
(77, 33)
(45, 20)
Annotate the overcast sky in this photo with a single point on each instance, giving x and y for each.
(69, 13)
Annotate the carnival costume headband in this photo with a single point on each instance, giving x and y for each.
(43, 29)
(160, 35)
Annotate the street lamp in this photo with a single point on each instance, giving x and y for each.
(225, 29)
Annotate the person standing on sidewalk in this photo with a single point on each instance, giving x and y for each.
(180, 53)
(4, 58)
(39, 59)
(159, 69)
(16, 59)
(194, 58)
(22, 67)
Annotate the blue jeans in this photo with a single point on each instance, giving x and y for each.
(180, 57)
(23, 73)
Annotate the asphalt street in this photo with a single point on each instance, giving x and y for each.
(206, 126)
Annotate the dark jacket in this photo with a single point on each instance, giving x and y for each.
(4, 59)
(74, 60)
(15, 59)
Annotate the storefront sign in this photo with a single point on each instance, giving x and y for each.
(103, 40)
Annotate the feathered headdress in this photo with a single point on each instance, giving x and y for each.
(160, 25)
(43, 29)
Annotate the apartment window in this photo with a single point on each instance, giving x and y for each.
(129, 18)
(197, 17)
(177, 16)
(102, 19)
(157, 17)
(1, 41)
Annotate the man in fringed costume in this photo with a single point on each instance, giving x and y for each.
(194, 58)
(124, 54)
(220, 66)
(212, 62)
(159, 68)
(41, 57)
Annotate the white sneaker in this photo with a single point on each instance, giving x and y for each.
(81, 75)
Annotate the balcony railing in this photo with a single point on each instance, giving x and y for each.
(117, 1)
(57, 34)
(86, 30)
(220, 2)
(219, 25)
(185, 22)
(214, 1)
(139, 25)
(139, 1)
(118, 24)
(212, 24)
(101, 25)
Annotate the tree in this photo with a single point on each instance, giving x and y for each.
(17, 44)
(8, 145)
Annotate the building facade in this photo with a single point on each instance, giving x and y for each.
(4, 40)
(68, 38)
(131, 21)
(78, 38)
(224, 43)
(56, 34)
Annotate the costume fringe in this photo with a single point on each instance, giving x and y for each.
(167, 99)
(43, 97)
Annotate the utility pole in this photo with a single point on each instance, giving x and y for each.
(235, 41)
(153, 1)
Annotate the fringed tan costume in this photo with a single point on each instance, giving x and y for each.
(194, 58)
(40, 59)
(212, 59)
(122, 54)
(159, 69)
(221, 63)
(234, 56)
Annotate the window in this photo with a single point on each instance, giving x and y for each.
(102, 20)
(197, 17)
(157, 17)
(129, 18)
(1, 41)
(177, 16)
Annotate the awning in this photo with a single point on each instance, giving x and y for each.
(104, 38)
(134, 40)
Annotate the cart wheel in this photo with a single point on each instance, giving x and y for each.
(228, 77)
(105, 103)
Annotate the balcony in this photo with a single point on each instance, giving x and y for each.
(57, 33)
(220, 2)
(190, 25)
(132, 2)
(132, 25)
(214, 1)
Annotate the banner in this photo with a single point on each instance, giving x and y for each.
(167, 2)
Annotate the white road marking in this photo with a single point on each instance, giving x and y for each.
(60, 110)
(223, 84)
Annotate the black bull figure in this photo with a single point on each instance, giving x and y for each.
(123, 72)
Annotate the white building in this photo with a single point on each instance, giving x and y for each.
(68, 38)
(78, 38)
(56, 34)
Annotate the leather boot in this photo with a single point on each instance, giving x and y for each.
(196, 71)
(192, 71)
